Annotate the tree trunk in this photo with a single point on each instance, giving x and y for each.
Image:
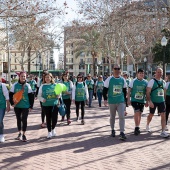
(29, 60)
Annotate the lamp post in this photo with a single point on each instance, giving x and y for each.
(164, 43)
(122, 57)
(145, 60)
(98, 67)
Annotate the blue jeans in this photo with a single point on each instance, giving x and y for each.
(2, 113)
(99, 96)
(90, 97)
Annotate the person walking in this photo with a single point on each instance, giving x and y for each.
(67, 96)
(90, 84)
(4, 106)
(167, 100)
(49, 101)
(43, 125)
(95, 78)
(155, 98)
(116, 89)
(79, 96)
(137, 93)
(33, 85)
(24, 106)
(99, 89)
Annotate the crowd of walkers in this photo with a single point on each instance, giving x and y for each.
(117, 91)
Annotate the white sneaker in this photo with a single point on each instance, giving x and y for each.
(49, 135)
(164, 134)
(148, 128)
(53, 133)
(2, 139)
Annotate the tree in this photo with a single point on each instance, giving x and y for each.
(88, 42)
(132, 27)
(158, 49)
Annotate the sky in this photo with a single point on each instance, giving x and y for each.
(71, 15)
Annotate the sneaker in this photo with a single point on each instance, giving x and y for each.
(122, 136)
(148, 128)
(24, 139)
(68, 121)
(164, 134)
(137, 131)
(77, 119)
(82, 122)
(2, 139)
(113, 133)
(53, 133)
(49, 135)
(18, 137)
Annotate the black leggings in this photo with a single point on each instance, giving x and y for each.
(51, 113)
(67, 102)
(167, 112)
(21, 115)
(42, 113)
(82, 108)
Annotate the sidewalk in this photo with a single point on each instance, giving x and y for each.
(84, 147)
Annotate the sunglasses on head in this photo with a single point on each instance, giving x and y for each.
(116, 68)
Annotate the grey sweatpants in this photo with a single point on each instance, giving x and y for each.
(120, 108)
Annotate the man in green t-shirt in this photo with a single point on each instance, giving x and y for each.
(115, 90)
(137, 93)
(155, 97)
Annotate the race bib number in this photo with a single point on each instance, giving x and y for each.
(160, 93)
(117, 89)
(139, 96)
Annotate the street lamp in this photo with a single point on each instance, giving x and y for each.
(98, 67)
(122, 57)
(164, 43)
(145, 60)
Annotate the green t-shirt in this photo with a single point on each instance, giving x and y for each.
(115, 90)
(67, 84)
(138, 90)
(99, 86)
(80, 94)
(90, 84)
(157, 93)
(2, 98)
(168, 89)
(33, 85)
(49, 95)
(24, 102)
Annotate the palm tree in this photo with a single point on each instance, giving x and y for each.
(88, 42)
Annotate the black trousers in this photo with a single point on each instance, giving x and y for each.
(42, 113)
(67, 102)
(21, 115)
(78, 103)
(51, 113)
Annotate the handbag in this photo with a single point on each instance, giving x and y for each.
(18, 95)
(62, 108)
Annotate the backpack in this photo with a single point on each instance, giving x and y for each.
(159, 85)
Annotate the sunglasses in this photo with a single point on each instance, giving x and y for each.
(79, 77)
(116, 68)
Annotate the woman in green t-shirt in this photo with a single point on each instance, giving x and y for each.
(48, 97)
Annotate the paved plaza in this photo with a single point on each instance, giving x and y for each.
(84, 147)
